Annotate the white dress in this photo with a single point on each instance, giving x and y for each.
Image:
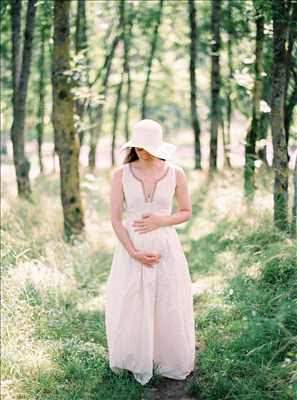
(149, 311)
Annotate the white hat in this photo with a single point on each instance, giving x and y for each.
(148, 134)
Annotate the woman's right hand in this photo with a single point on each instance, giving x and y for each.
(147, 258)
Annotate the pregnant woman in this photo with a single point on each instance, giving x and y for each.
(148, 300)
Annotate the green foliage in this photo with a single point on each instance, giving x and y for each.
(250, 347)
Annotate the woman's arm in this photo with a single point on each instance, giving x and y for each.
(116, 212)
(183, 200)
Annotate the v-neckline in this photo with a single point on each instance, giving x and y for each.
(148, 199)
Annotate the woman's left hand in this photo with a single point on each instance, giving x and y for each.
(147, 223)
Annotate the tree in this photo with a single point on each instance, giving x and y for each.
(253, 131)
(81, 46)
(193, 88)
(215, 83)
(66, 138)
(120, 84)
(290, 100)
(95, 133)
(230, 31)
(21, 64)
(150, 60)
(294, 208)
(280, 159)
(44, 35)
(128, 26)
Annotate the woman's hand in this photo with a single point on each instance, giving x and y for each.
(147, 223)
(147, 258)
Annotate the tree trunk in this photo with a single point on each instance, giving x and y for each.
(227, 136)
(294, 209)
(66, 138)
(41, 87)
(120, 85)
(150, 60)
(280, 159)
(95, 133)
(291, 102)
(21, 63)
(115, 118)
(292, 35)
(193, 56)
(264, 118)
(253, 132)
(215, 83)
(80, 46)
(127, 40)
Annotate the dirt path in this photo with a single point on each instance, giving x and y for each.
(169, 389)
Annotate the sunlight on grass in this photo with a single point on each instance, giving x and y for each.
(53, 292)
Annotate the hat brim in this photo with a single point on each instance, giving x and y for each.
(165, 151)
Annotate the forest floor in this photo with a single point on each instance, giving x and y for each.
(53, 331)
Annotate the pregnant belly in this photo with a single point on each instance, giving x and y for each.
(155, 241)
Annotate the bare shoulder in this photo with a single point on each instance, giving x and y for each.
(179, 172)
(118, 172)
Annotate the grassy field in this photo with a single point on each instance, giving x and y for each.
(244, 276)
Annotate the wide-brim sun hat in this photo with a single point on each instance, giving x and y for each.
(148, 135)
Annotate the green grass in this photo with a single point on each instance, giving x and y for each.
(245, 290)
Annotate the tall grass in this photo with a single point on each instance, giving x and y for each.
(244, 284)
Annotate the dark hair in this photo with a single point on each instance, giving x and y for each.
(132, 156)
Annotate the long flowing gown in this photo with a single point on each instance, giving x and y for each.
(149, 316)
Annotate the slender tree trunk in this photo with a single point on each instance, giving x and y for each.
(80, 47)
(66, 138)
(115, 118)
(95, 133)
(225, 144)
(127, 40)
(150, 60)
(41, 87)
(280, 159)
(215, 83)
(292, 35)
(290, 105)
(294, 209)
(227, 136)
(21, 63)
(120, 85)
(193, 86)
(253, 132)
(264, 118)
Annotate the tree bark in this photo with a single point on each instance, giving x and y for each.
(41, 90)
(253, 131)
(193, 86)
(128, 25)
(291, 102)
(264, 118)
(120, 85)
(80, 46)
(66, 138)
(95, 133)
(294, 209)
(292, 35)
(115, 118)
(150, 60)
(280, 159)
(227, 136)
(215, 83)
(21, 63)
